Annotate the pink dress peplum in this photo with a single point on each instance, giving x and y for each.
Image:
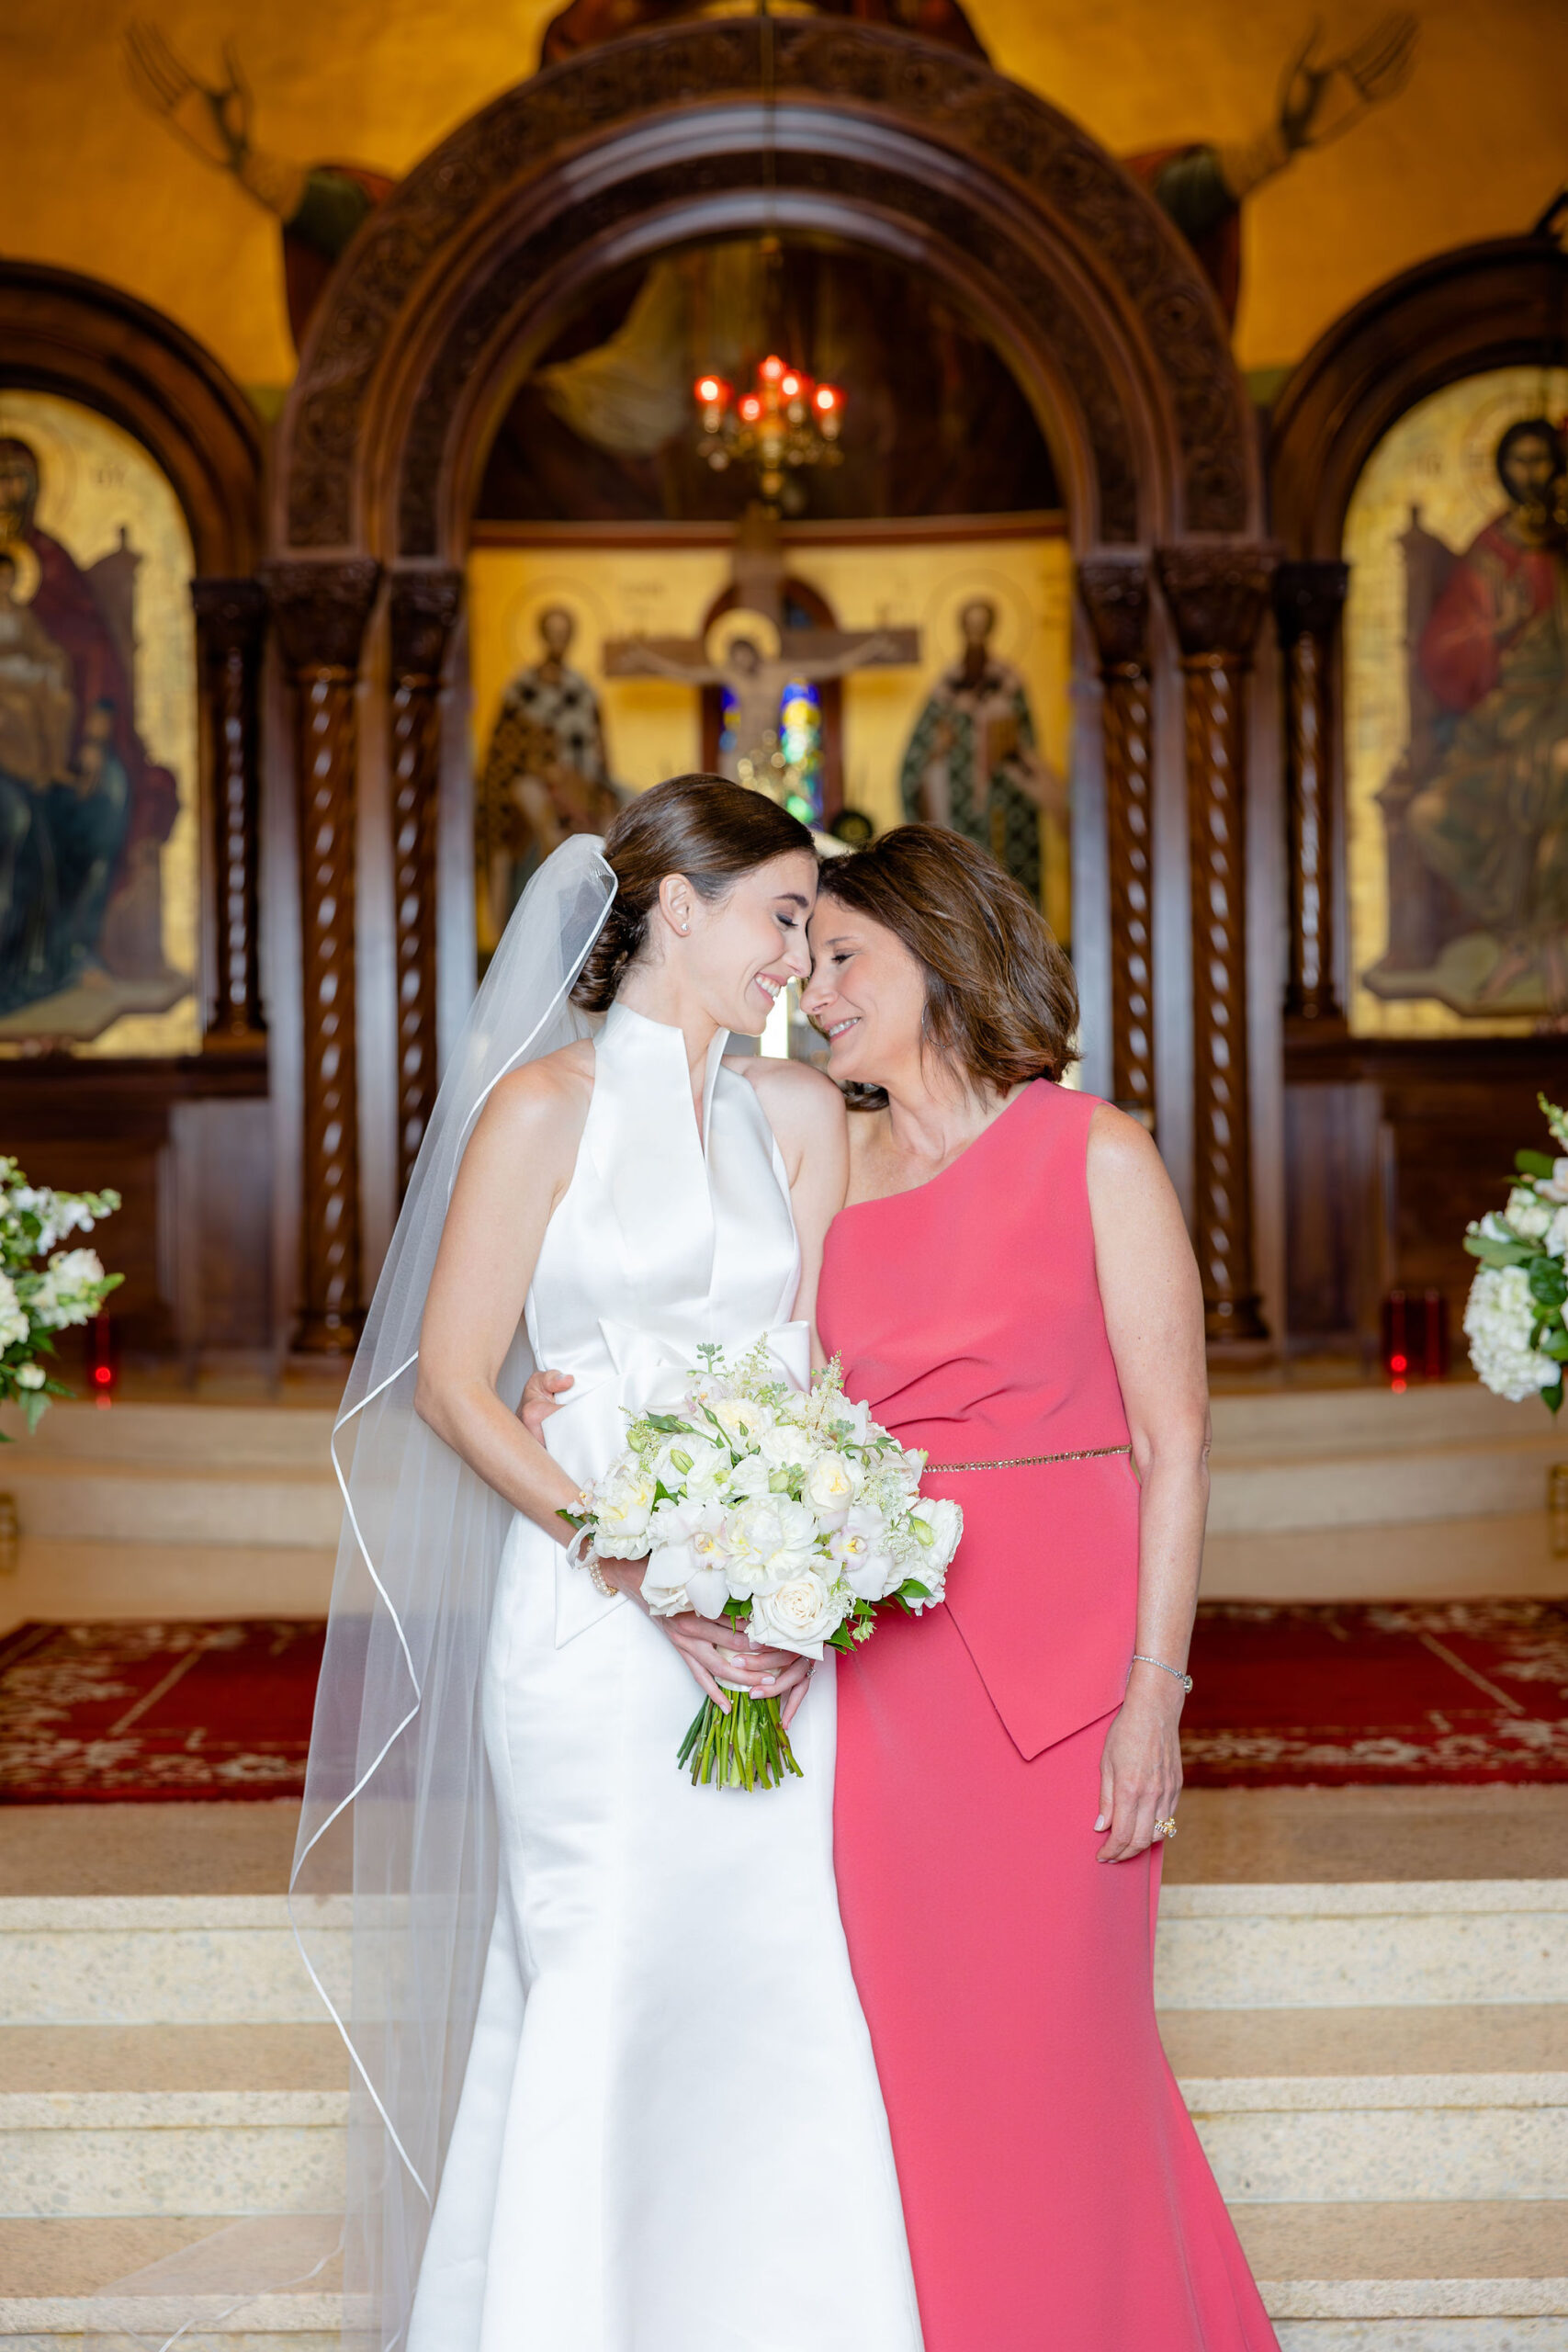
(1054, 2188)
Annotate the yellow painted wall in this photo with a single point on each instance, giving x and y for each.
(1475, 147)
(653, 728)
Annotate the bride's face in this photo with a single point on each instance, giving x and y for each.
(742, 950)
(866, 994)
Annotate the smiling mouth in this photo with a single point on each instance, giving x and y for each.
(771, 989)
(842, 1028)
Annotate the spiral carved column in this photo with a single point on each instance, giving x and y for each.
(231, 627)
(423, 607)
(320, 610)
(1216, 596)
(1115, 592)
(1308, 601)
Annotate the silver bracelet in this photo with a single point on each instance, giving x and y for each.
(1142, 1658)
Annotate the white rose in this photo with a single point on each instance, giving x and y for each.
(30, 1376)
(830, 1486)
(1557, 1234)
(796, 1615)
(693, 1463)
(946, 1521)
(771, 1540)
(1528, 1214)
(623, 1505)
(1498, 1317)
(742, 1419)
(849, 1422)
(786, 1446)
(748, 1477)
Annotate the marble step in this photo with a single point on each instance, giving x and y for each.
(1291, 2107)
(1369, 1945)
(1382, 2276)
(106, 1959)
(62, 2278)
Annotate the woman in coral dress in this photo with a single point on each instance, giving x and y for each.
(1011, 1287)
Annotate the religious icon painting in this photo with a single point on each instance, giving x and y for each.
(99, 868)
(1456, 714)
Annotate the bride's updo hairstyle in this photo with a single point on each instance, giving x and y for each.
(702, 826)
(1001, 1002)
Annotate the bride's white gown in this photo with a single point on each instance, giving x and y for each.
(670, 2136)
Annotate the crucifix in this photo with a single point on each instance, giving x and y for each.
(750, 652)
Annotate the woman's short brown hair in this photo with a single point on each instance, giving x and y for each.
(1001, 1002)
(711, 831)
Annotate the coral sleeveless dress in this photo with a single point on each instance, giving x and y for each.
(1054, 2188)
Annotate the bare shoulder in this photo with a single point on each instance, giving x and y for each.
(796, 1098)
(545, 1103)
(1123, 1155)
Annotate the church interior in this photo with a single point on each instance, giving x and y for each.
(1134, 438)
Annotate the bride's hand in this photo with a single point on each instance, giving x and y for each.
(713, 1647)
(1140, 1769)
(539, 1400)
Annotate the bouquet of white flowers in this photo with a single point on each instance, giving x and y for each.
(1513, 1317)
(36, 1300)
(788, 1510)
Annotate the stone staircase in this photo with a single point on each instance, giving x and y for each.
(1379, 2073)
(153, 1508)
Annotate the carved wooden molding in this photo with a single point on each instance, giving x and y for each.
(1216, 598)
(231, 627)
(424, 608)
(869, 120)
(1116, 597)
(1308, 601)
(320, 610)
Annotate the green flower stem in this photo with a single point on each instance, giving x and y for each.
(747, 1749)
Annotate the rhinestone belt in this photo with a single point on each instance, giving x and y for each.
(1033, 1461)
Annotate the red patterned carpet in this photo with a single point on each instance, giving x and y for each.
(1395, 1694)
(1391, 1693)
(139, 1712)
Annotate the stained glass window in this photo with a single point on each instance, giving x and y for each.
(797, 763)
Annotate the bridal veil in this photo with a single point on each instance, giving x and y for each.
(398, 1799)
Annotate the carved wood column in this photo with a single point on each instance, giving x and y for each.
(1115, 592)
(231, 625)
(424, 608)
(1308, 601)
(320, 610)
(1216, 595)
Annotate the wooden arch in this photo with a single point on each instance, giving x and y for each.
(449, 294)
(458, 281)
(88, 342)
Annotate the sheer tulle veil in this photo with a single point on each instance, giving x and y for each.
(397, 1801)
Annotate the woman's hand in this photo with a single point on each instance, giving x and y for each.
(715, 1646)
(1140, 1769)
(539, 1400)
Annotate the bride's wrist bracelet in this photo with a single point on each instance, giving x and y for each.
(1142, 1658)
(581, 1555)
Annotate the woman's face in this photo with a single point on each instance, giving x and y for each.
(742, 950)
(866, 994)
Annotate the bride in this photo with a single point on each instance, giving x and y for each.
(614, 2090)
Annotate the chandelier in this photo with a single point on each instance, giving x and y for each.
(785, 422)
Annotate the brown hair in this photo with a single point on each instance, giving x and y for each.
(1001, 1002)
(702, 826)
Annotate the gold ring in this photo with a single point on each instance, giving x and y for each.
(1165, 1828)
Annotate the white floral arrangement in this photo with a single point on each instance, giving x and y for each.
(37, 1300)
(1513, 1317)
(788, 1510)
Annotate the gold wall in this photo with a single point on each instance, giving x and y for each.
(1471, 148)
(653, 730)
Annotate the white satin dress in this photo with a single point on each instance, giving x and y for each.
(670, 2136)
